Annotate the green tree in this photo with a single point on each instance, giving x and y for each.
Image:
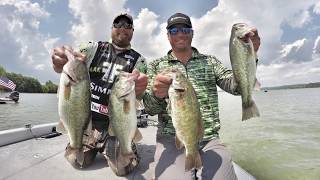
(2, 71)
(49, 87)
(29, 84)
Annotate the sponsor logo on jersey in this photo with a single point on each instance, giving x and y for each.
(99, 108)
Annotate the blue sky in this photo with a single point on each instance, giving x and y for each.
(289, 31)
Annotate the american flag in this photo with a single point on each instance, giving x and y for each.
(7, 83)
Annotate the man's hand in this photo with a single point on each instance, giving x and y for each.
(161, 85)
(255, 39)
(59, 58)
(140, 83)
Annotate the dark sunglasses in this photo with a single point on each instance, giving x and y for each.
(122, 25)
(184, 30)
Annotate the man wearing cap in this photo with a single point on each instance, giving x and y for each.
(205, 72)
(104, 61)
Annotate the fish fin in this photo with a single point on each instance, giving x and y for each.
(249, 110)
(67, 91)
(88, 128)
(125, 92)
(179, 144)
(137, 136)
(200, 130)
(126, 106)
(61, 128)
(193, 161)
(257, 85)
(75, 155)
(58, 92)
(80, 157)
(110, 131)
(124, 159)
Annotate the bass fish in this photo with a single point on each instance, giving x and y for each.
(74, 103)
(186, 117)
(243, 61)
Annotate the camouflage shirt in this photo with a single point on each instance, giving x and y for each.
(204, 72)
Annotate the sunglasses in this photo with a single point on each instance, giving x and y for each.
(184, 30)
(122, 25)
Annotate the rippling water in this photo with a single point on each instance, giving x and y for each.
(283, 144)
(31, 109)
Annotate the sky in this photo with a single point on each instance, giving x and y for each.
(289, 31)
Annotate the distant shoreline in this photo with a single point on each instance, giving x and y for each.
(293, 86)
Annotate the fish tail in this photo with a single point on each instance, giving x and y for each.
(125, 159)
(249, 110)
(76, 139)
(193, 161)
(127, 152)
(75, 156)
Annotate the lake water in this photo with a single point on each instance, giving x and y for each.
(283, 144)
(31, 109)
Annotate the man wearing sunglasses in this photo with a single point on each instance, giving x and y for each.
(105, 60)
(205, 73)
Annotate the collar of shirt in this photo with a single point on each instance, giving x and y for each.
(119, 48)
(171, 56)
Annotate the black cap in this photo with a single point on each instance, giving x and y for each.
(123, 15)
(179, 18)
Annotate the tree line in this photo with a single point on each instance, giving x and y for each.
(29, 84)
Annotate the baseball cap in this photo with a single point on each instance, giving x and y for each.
(179, 18)
(123, 15)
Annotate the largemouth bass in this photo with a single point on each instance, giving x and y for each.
(123, 115)
(74, 102)
(186, 117)
(243, 61)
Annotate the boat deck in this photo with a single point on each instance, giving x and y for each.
(40, 158)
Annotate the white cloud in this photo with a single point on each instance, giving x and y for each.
(50, 43)
(40, 67)
(212, 32)
(299, 19)
(292, 47)
(94, 18)
(147, 38)
(298, 51)
(289, 73)
(52, 1)
(316, 47)
(26, 7)
(25, 46)
(316, 8)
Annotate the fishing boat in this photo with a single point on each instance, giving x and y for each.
(37, 152)
(13, 97)
(7, 91)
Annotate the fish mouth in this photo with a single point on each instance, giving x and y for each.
(123, 95)
(245, 35)
(69, 77)
(179, 90)
(243, 39)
